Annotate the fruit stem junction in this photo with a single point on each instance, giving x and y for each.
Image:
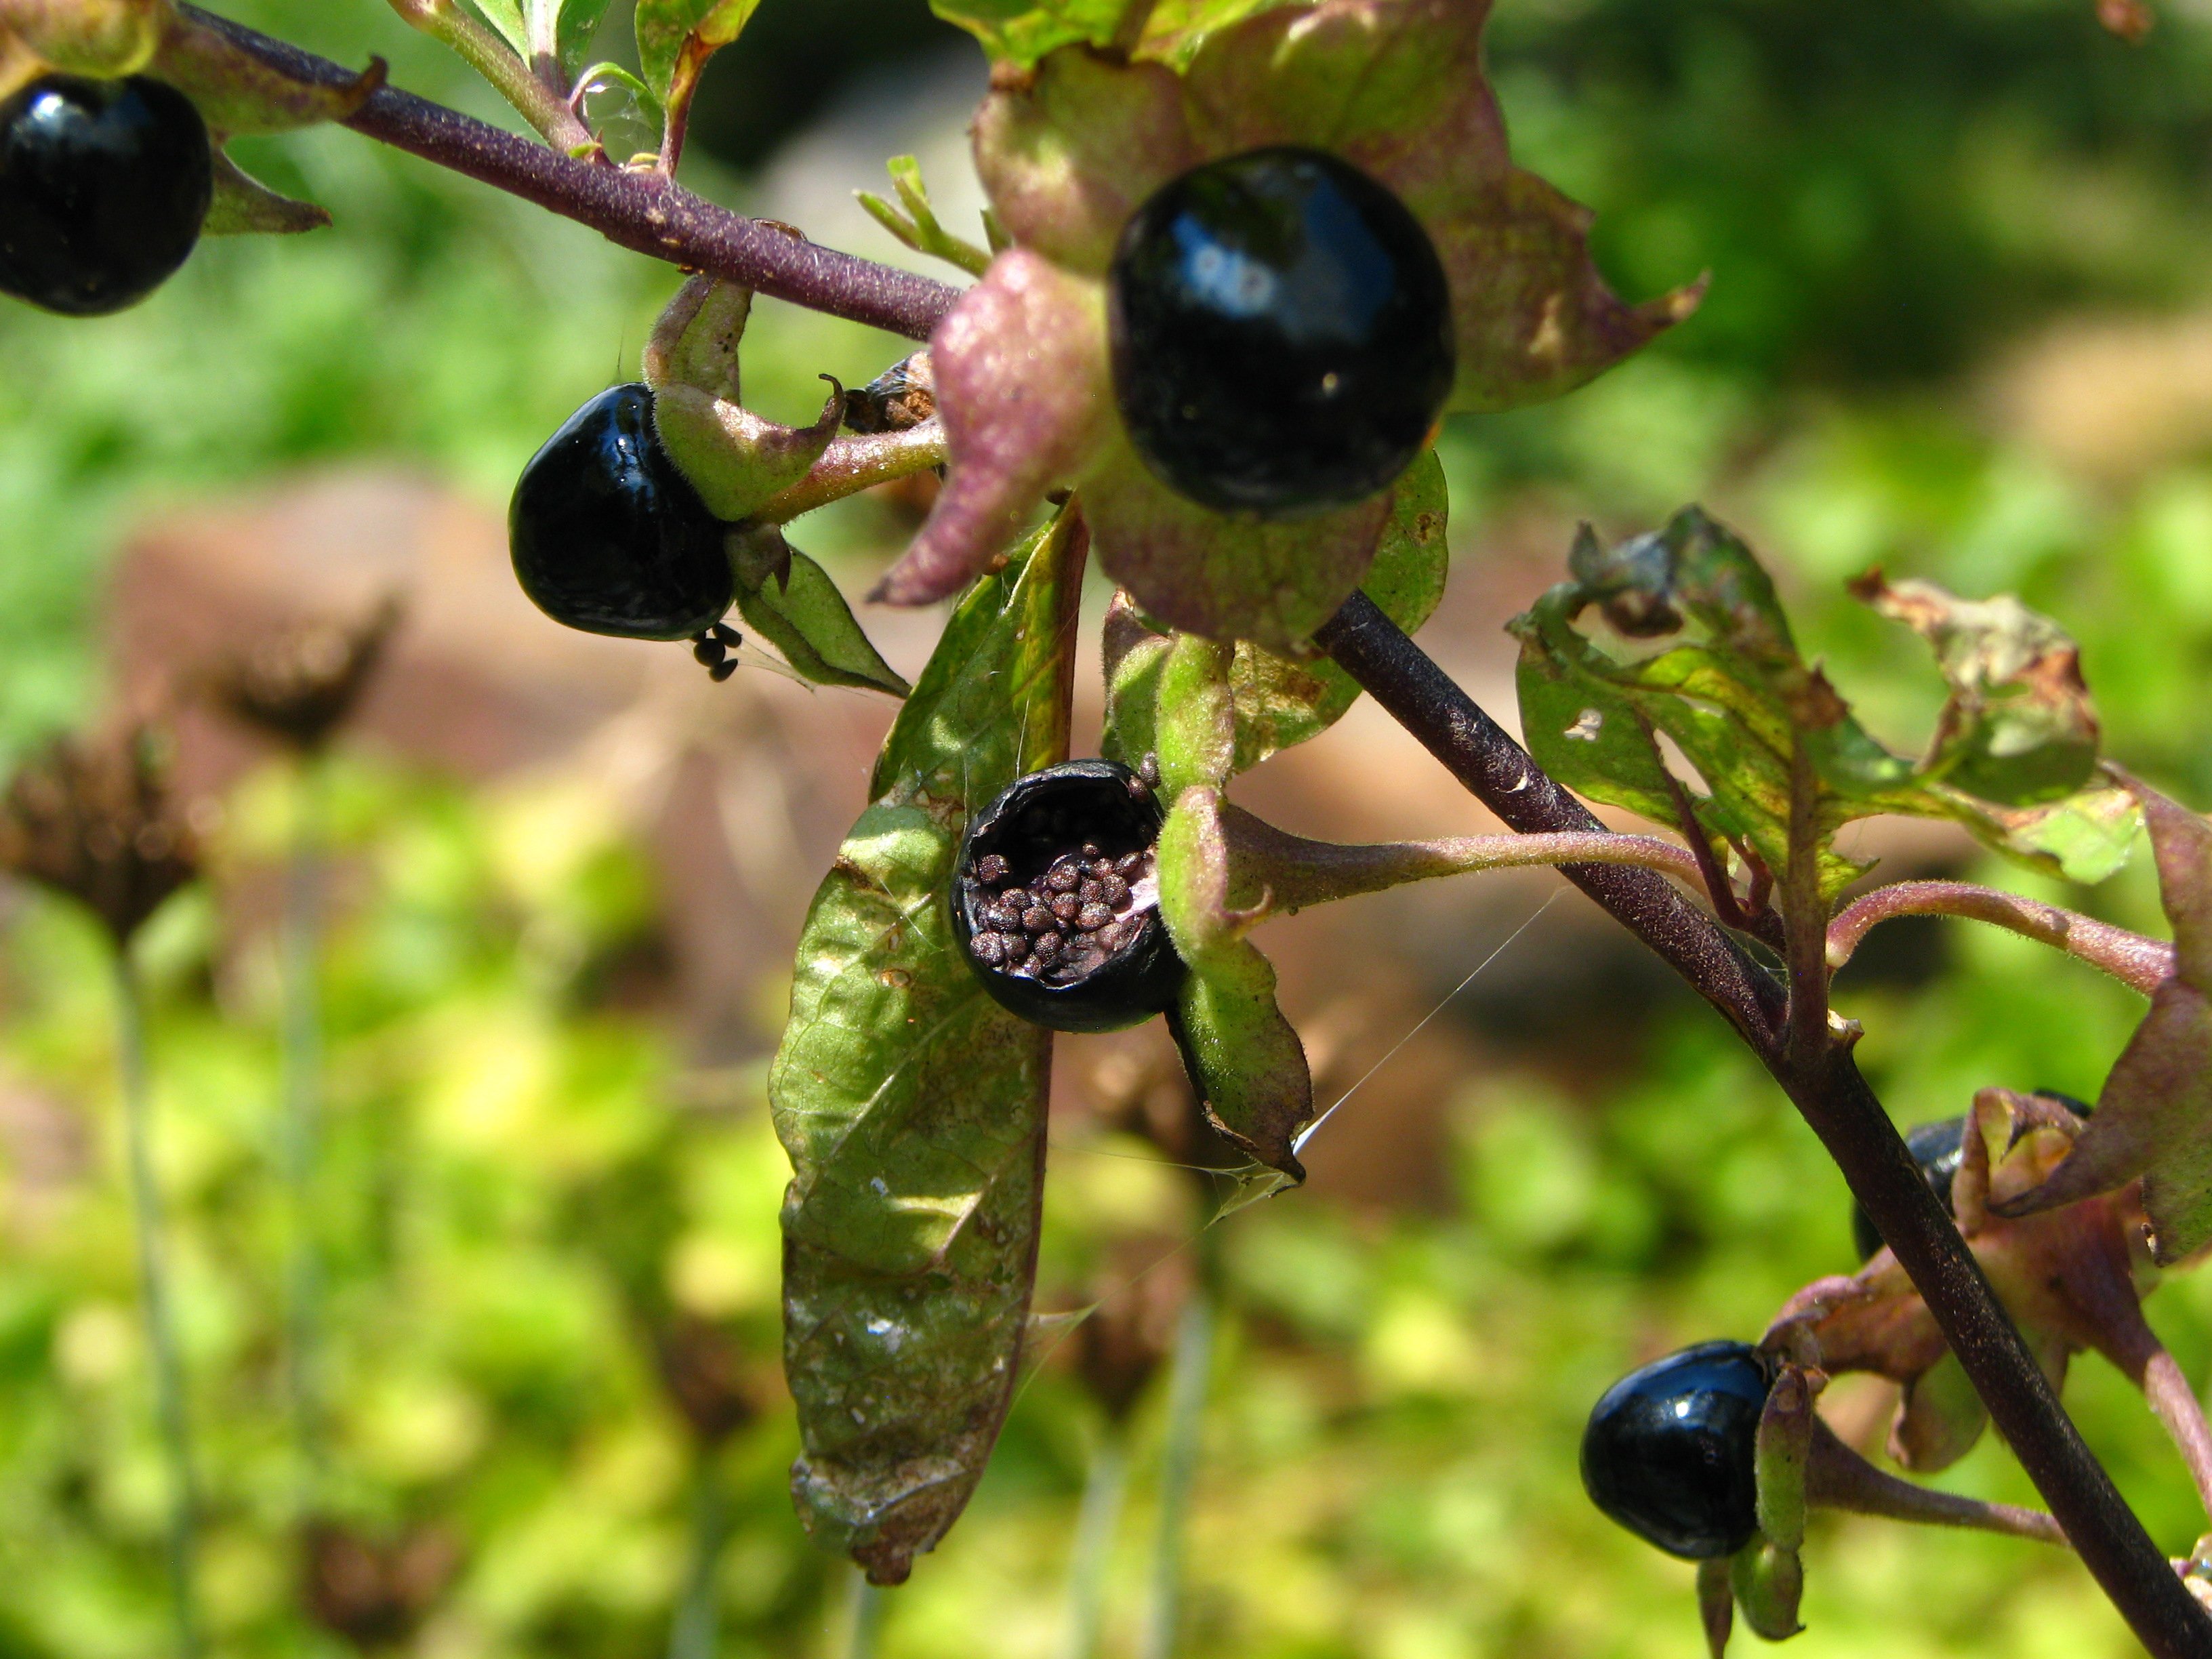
(1834, 1099)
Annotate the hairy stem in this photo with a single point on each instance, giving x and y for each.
(1838, 1478)
(1834, 1100)
(1191, 1366)
(1095, 1525)
(1290, 872)
(857, 462)
(300, 1128)
(154, 1292)
(2175, 1405)
(2138, 963)
(1805, 920)
(646, 212)
(490, 56)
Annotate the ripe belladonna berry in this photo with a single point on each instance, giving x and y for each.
(103, 187)
(1670, 1449)
(609, 536)
(1938, 1148)
(1281, 333)
(1055, 902)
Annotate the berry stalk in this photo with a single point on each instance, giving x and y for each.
(1834, 1099)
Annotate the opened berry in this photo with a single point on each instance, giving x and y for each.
(1281, 333)
(1027, 933)
(1670, 1450)
(104, 186)
(608, 536)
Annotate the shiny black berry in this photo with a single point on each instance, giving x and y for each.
(1055, 900)
(103, 187)
(1938, 1148)
(1670, 1449)
(1281, 333)
(607, 535)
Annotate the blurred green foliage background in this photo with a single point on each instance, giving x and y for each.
(1961, 269)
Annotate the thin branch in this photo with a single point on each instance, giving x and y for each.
(490, 56)
(1187, 1388)
(856, 462)
(1835, 1101)
(1838, 1478)
(2138, 963)
(642, 211)
(1805, 918)
(1094, 1524)
(301, 1126)
(1284, 872)
(170, 1411)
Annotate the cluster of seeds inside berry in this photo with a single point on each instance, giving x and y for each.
(1066, 924)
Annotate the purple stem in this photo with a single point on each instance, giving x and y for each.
(1834, 1099)
(2138, 963)
(642, 211)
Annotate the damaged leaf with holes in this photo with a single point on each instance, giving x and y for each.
(1679, 634)
(912, 1106)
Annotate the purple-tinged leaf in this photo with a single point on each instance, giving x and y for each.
(1069, 151)
(1228, 578)
(1397, 88)
(1022, 381)
(2153, 1118)
(2064, 1275)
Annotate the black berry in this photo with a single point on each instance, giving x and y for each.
(1939, 1148)
(1028, 935)
(1670, 1450)
(103, 188)
(607, 535)
(1281, 333)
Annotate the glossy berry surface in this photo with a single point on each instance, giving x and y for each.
(1669, 1450)
(607, 535)
(103, 188)
(1281, 333)
(1938, 1148)
(1055, 900)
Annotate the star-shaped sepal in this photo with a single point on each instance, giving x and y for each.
(1069, 149)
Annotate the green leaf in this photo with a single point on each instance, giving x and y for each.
(2018, 730)
(1245, 1062)
(1244, 1059)
(912, 1106)
(506, 16)
(577, 27)
(915, 222)
(1743, 706)
(1023, 31)
(1282, 701)
(680, 35)
(2154, 1118)
(244, 206)
(790, 602)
